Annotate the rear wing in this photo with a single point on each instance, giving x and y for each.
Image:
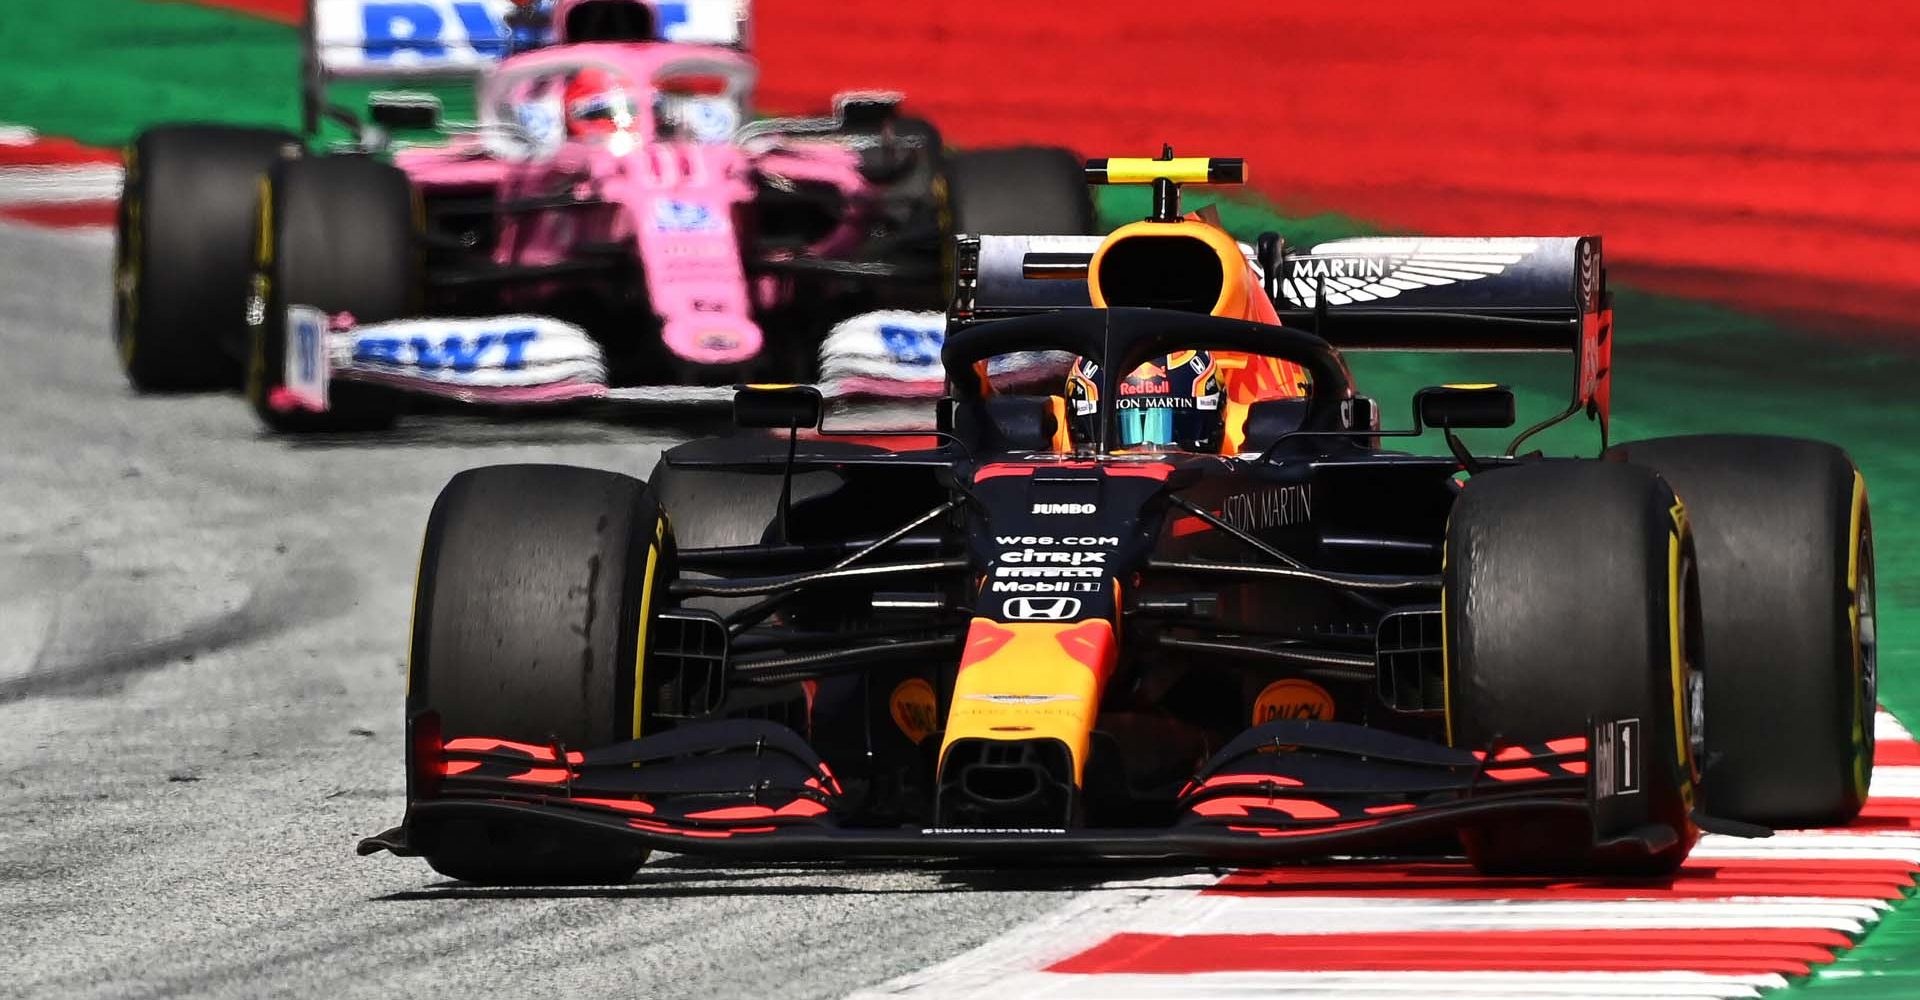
(416, 40)
(1529, 294)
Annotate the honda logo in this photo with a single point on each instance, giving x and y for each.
(1041, 609)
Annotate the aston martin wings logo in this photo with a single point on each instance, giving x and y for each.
(1368, 270)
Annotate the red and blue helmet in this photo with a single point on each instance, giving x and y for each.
(1171, 403)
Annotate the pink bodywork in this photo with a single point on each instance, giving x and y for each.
(675, 201)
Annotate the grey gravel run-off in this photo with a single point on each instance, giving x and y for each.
(202, 638)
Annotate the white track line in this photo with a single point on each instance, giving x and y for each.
(58, 185)
(1290, 914)
(1896, 782)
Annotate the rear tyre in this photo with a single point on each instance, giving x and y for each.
(1786, 568)
(1564, 585)
(336, 233)
(1026, 191)
(537, 586)
(180, 253)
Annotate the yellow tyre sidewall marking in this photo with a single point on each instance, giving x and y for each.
(1682, 716)
(646, 617)
(127, 288)
(263, 259)
(1446, 653)
(1862, 713)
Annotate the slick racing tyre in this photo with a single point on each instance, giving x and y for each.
(184, 230)
(1027, 191)
(335, 233)
(1785, 544)
(1569, 595)
(537, 587)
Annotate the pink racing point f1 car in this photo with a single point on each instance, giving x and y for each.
(615, 219)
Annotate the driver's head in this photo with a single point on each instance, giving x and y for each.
(598, 103)
(1170, 403)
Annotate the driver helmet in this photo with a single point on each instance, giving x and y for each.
(1167, 404)
(598, 104)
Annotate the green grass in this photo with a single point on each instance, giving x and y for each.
(100, 70)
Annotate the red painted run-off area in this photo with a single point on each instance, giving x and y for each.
(1765, 153)
(1739, 951)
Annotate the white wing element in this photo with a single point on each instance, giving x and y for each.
(1371, 269)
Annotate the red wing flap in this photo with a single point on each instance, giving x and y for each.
(1350, 780)
(732, 775)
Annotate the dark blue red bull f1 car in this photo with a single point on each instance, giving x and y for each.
(1032, 633)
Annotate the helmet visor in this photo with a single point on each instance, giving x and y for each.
(1141, 428)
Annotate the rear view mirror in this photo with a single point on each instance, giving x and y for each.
(1457, 406)
(785, 407)
(396, 109)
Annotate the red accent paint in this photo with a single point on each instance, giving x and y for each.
(542, 775)
(1572, 744)
(1515, 773)
(1740, 951)
(1139, 470)
(984, 639)
(797, 808)
(454, 767)
(1698, 879)
(1243, 805)
(884, 442)
(1575, 767)
(1091, 644)
(1124, 470)
(623, 805)
(1359, 824)
(682, 831)
(1390, 809)
(1188, 524)
(987, 472)
(1745, 153)
(485, 744)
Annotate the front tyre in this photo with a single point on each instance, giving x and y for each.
(1568, 596)
(336, 233)
(537, 587)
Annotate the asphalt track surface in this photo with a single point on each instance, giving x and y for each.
(202, 639)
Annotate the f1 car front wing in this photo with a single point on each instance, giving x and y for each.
(1285, 790)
